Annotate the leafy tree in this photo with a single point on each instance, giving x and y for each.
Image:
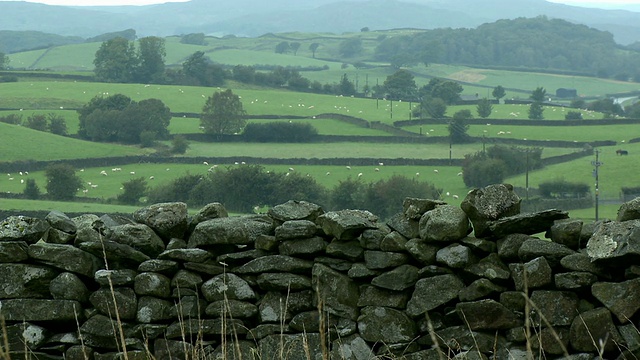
(115, 61)
(516, 159)
(346, 86)
(384, 197)
(177, 190)
(536, 111)
(365, 29)
(314, 47)
(480, 170)
(294, 46)
(539, 95)
(348, 194)
(147, 139)
(578, 104)
(193, 39)
(350, 47)
(4, 61)
(223, 113)
(606, 106)
(56, 124)
(633, 111)
(484, 108)
(195, 66)
(151, 54)
(179, 144)
(31, 190)
(573, 115)
(244, 73)
(458, 127)
(279, 131)
(498, 92)
(62, 181)
(37, 122)
(448, 91)
(13, 119)
(282, 47)
(298, 82)
(400, 85)
(133, 190)
(433, 107)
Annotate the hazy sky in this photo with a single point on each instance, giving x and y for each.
(593, 3)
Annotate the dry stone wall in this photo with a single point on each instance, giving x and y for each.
(435, 281)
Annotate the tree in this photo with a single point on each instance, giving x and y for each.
(151, 54)
(37, 122)
(484, 108)
(314, 47)
(282, 47)
(31, 190)
(193, 39)
(4, 61)
(223, 114)
(115, 61)
(56, 124)
(350, 47)
(294, 46)
(346, 86)
(539, 95)
(132, 191)
(458, 127)
(573, 115)
(448, 91)
(62, 181)
(195, 67)
(400, 85)
(498, 92)
(536, 111)
(179, 144)
(480, 170)
(434, 107)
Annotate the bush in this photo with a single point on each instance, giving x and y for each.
(147, 139)
(56, 124)
(31, 190)
(573, 115)
(278, 131)
(516, 158)
(479, 170)
(12, 119)
(179, 144)
(8, 78)
(177, 190)
(62, 181)
(37, 122)
(558, 189)
(133, 190)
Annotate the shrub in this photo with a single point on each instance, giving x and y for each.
(177, 190)
(278, 131)
(479, 170)
(37, 122)
(147, 139)
(56, 124)
(563, 189)
(133, 190)
(179, 144)
(31, 190)
(12, 119)
(62, 181)
(573, 115)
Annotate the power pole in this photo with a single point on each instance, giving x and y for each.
(597, 163)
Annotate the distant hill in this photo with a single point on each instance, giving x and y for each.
(257, 17)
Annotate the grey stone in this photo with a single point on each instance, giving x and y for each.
(630, 335)
(117, 255)
(445, 223)
(379, 324)
(482, 246)
(361, 271)
(394, 241)
(346, 224)
(25, 281)
(189, 307)
(109, 220)
(371, 239)
(295, 346)
(55, 236)
(550, 341)
(407, 227)
(68, 286)
(551, 251)
(629, 210)
(87, 234)
(275, 307)
(379, 260)
(152, 284)
(174, 244)
(88, 221)
(351, 348)
(567, 232)
(230, 230)
(266, 243)
(433, 292)
(263, 330)
(594, 326)
(295, 210)
(65, 311)
(169, 220)
(461, 338)
(455, 256)
(98, 331)
(229, 286)
(488, 204)
(349, 250)
(338, 292)
(529, 223)
(123, 277)
(236, 350)
(616, 297)
(424, 253)
(239, 257)
(414, 208)
(210, 211)
(283, 282)
(24, 335)
(153, 310)
(186, 280)
(509, 245)
(375, 296)
(582, 262)
(491, 267)
(514, 301)
(191, 328)
(296, 229)
(487, 315)
(186, 255)
(60, 221)
(398, 279)
(479, 289)
(65, 257)
(164, 267)
(340, 265)
(303, 247)
(79, 352)
(574, 281)
(208, 269)
(23, 228)
(172, 349)
(126, 302)
(557, 308)
(275, 263)
(616, 242)
(534, 274)
(139, 236)
(235, 309)
(13, 251)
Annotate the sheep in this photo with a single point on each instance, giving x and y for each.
(328, 173)
(348, 167)
(436, 171)
(291, 169)
(360, 174)
(132, 172)
(151, 177)
(460, 173)
(206, 163)
(376, 169)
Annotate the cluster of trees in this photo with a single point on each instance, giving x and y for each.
(4, 61)
(117, 118)
(62, 183)
(539, 43)
(117, 60)
(50, 122)
(243, 188)
(497, 162)
(279, 131)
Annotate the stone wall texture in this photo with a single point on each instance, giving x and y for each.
(477, 281)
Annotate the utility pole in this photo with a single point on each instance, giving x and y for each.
(527, 177)
(597, 163)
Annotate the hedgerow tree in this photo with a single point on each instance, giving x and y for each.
(223, 114)
(433, 107)
(498, 92)
(115, 61)
(37, 122)
(4, 61)
(484, 108)
(458, 127)
(448, 91)
(400, 85)
(56, 124)
(62, 181)
(150, 57)
(31, 189)
(133, 191)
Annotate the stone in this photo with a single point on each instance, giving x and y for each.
(186, 280)
(185, 255)
(63, 311)
(338, 292)
(445, 223)
(295, 346)
(360, 271)
(65, 257)
(616, 297)
(303, 247)
(266, 243)
(296, 229)
(482, 246)
(229, 286)
(509, 246)
(283, 282)
(375, 296)
(275, 263)
(461, 338)
(379, 324)
(275, 307)
(408, 228)
(186, 307)
(491, 268)
(295, 210)
(25, 281)
(117, 255)
(208, 269)
(351, 348)
(152, 284)
(164, 267)
(371, 239)
(575, 280)
(552, 252)
(629, 210)
(13, 251)
(479, 289)
(487, 315)
(557, 308)
(191, 328)
(550, 341)
(594, 326)
(60, 221)
(235, 309)
(489, 204)
(230, 230)
(380, 260)
(23, 228)
(168, 220)
(109, 220)
(172, 349)
(414, 208)
(125, 299)
(236, 350)
(98, 331)
(24, 335)
(55, 236)
(210, 211)
(433, 292)
(346, 224)
(529, 223)
(239, 257)
(348, 250)
(68, 286)
(88, 221)
(139, 236)
(533, 274)
(107, 278)
(615, 242)
(582, 262)
(422, 252)
(398, 279)
(455, 256)
(567, 232)
(394, 241)
(153, 310)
